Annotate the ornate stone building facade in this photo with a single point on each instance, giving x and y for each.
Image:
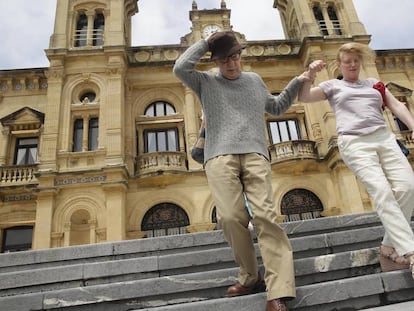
(96, 147)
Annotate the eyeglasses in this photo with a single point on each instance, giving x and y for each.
(233, 57)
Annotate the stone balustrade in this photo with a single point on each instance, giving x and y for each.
(161, 161)
(17, 175)
(293, 150)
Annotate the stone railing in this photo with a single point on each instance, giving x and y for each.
(17, 175)
(161, 161)
(293, 150)
(405, 137)
(147, 55)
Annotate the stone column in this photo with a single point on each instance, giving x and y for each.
(4, 146)
(89, 36)
(44, 217)
(66, 234)
(115, 194)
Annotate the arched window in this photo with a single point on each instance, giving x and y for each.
(17, 239)
(98, 30)
(159, 109)
(162, 138)
(334, 20)
(165, 219)
(320, 20)
(214, 215)
(299, 204)
(81, 34)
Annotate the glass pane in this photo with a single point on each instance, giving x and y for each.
(293, 130)
(162, 143)
(78, 135)
(151, 142)
(172, 140)
(159, 109)
(93, 134)
(170, 109)
(27, 141)
(284, 134)
(32, 156)
(150, 111)
(17, 239)
(98, 30)
(21, 156)
(274, 131)
(81, 31)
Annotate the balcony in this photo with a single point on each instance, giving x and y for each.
(293, 150)
(161, 161)
(18, 175)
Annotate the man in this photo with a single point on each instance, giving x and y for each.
(237, 161)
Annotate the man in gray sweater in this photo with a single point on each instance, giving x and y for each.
(237, 160)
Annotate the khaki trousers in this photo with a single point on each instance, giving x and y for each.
(228, 177)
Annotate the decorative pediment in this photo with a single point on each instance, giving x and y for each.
(24, 119)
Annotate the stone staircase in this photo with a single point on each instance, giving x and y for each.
(336, 266)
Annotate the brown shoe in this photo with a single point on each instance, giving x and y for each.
(276, 305)
(239, 289)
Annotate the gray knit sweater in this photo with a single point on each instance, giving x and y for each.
(233, 109)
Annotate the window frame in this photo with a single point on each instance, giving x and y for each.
(27, 147)
(157, 131)
(288, 129)
(16, 247)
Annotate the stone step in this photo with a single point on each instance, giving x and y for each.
(307, 270)
(336, 249)
(206, 290)
(175, 244)
(336, 266)
(403, 306)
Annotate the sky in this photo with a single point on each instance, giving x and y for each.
(26, 26)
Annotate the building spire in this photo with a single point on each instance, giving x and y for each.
(223, 4)
(194, 5)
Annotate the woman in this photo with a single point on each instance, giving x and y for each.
(370, 150)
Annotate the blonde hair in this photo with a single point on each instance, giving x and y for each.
(363, 51)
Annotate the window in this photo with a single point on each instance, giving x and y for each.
(93, 134)
(88, 34)
(26, 151)
(87, 97)
(77, 135)
(320, 20)
(91, 141)
(81, 33)
(98, 30)
(161, 140)
(300, 204)
(165, 219)
(284, 130)
(334, 19)
(17, 239)
(159, 109)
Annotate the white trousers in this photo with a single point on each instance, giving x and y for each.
(378, 162)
